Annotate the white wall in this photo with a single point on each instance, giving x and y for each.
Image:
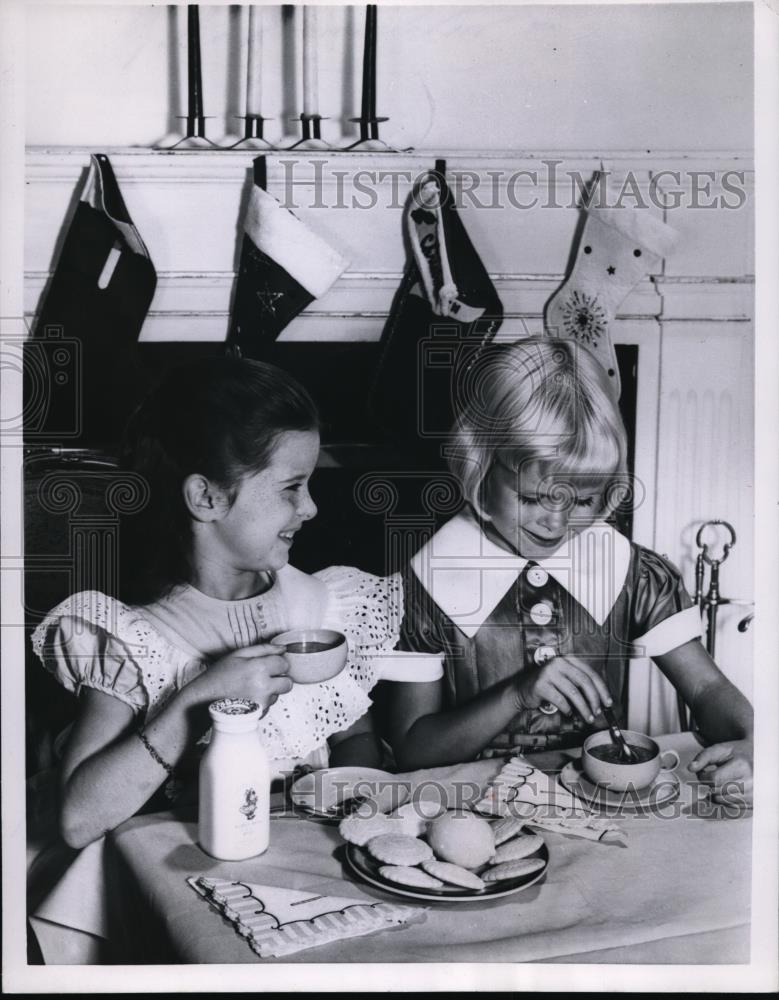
(648, 76)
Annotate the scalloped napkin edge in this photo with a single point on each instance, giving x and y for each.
(521, 790)
(278, 922)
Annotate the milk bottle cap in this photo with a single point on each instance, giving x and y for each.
(235, 715)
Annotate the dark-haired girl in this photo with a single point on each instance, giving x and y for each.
(227, 447)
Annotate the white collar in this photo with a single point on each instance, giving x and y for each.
(467, 574)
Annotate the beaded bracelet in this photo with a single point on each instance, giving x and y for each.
(172, 785)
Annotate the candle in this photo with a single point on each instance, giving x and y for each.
(195, 92)
(369, 65)
(310, 82)
(254, 65)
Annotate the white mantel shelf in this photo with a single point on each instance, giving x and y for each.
(186, 205)
(224, 160)
(706, 155)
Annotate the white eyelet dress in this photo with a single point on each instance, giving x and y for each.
(144, 655)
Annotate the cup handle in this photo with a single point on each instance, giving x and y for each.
(671, 755)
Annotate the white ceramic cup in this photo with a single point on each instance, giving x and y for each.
(308, 663)
(620, 776)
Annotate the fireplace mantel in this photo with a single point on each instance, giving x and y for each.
(187, 206)
(692, 322)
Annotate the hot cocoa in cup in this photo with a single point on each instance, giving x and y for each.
(314, 654)
(603, 763)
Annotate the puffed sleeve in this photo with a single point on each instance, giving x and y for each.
(368, 610)
(74, 643)
(421, 630)
(663, 615)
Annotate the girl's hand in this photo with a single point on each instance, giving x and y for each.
(258, 672)
(727, 768)
(565, 681)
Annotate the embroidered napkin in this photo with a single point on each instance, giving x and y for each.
(278, 922)
(521, 790)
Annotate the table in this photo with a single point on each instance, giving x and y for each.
(679, 893)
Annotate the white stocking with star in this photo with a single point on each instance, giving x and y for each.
(618, 246)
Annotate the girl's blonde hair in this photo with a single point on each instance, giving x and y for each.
(541, 400)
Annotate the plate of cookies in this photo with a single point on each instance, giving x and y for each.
(450, 856)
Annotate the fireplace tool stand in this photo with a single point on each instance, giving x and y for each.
(710, 600)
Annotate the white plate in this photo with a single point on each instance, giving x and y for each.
(320, 791)
(664, 789)
(367, 868)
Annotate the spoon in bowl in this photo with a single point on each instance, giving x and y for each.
(616, 734)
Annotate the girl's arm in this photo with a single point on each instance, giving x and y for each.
(357, 745)
(425, 736)
(723, 716)
(107, 773)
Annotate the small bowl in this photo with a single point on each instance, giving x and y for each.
(621, 776)
(314, 654)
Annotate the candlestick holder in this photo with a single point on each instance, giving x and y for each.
(193, 139)
(252, 133)
(195, 136)
(312, 135)
(369, 141)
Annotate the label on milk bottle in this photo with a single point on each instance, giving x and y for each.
(249, 807)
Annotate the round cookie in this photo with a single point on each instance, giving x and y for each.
(399, 849)
(512, 869)
(427, 806)
(413, 817)
(517, 848)
(506, 828)
(359, 829)
(415, 877)
(408, 825)
(453, 874)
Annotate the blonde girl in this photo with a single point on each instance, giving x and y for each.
(535, 597)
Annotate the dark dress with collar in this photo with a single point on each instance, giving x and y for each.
(538, 617)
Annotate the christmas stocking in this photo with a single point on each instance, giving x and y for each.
(83, 374)
(618, 246)
(284, 267)
(447, 311)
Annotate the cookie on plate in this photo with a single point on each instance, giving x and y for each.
(517, 848)
(428, 806)
(506, 828)
(512, 869)
(399, 849)
(413, 817)
(453, 874)
(358, 829)
(415, 877)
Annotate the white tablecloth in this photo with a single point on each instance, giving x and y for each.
(681, 887)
